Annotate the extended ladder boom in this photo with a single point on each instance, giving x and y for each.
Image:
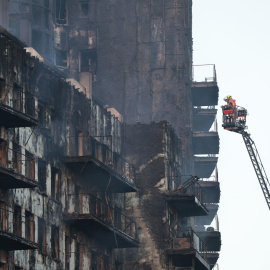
(258, 166)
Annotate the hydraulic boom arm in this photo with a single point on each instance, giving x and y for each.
(258, 166)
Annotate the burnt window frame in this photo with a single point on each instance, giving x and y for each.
(60, 59)
(29, 165)
(43, 115)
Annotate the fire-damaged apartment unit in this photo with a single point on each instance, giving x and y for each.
(108, 141)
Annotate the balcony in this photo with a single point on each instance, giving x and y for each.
(188, 199)
(204, 90)
(212, 189)
(205, 142)
(212, 259)
(212, 211)
(203, 118)
(17, 170)
(205, 165)
(17, 107)
(188, 249)
(103, 168)
(11, 237)
(212, 239)
(104, 223)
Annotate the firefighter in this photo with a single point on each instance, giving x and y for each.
(231, 104)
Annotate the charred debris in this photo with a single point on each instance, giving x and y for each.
(108, 142)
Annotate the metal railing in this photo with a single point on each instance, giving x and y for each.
(102, 153)
(198, 69)
(17, 162)
(195, 241)
(192, 187)
(90, 204)
(17, 99)
(11, 224)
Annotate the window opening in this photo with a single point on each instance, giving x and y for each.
(55, 242)
(42, 175)
(67, 251)
(55, 184)
(3, 153)
(37, 41)
(77, 256)
(17, 220)
(61, 13)
(84, 10)
(17, 158)
(61, 58)
(41, 236)
(3, 216)
(88, 62)
(29, 226)
(93, 261)
(29, 165)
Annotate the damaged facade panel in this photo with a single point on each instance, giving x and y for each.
(66, 119)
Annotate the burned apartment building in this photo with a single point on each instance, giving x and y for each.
(109, 142)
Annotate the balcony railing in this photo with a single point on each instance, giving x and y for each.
(192, 187)
(84, 204)
(17, 99)
(17, 162)
(199, 71)
(193, 240)
(102, 153)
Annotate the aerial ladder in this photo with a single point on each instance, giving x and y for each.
(234, 119)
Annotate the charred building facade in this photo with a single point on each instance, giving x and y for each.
(108, 143)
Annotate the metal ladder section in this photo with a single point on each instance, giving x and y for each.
(258, 166)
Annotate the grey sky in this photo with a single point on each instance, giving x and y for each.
(235, 36)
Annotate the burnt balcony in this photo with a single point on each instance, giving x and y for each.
(104, 223)
(205, 165)
(17, 170)
(188, 249)
(188, 199)
(103, 168)
(17, 107)
(205, 142)
(204, 90)
(203, 118)
(11, 237)
(212, 211)
(212, 238)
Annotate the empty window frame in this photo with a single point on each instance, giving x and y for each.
(83, 9)
(61, 12)
(38, 15)
(29, 226)
(17, 220)
(42, 169)
(61, 58)
(88, 62)
(55, 184)
(29, 165)
(41, 236)
(17, 98)
(55, 242)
